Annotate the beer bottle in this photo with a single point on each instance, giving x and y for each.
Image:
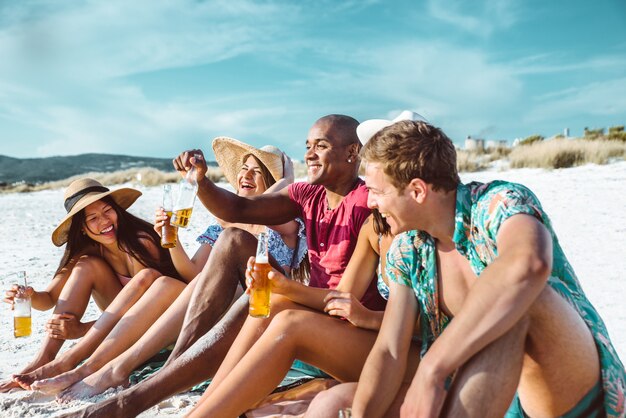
(21, 309)
(187, 189)
(260, 291)
(168, 232)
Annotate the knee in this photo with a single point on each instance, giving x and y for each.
(91, 265)
(289, 321)
(235, 237)
(168, 282)
(145, 278)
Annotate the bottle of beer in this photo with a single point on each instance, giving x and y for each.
(187, 189)
(168, 232)
(21, 309)
(345, 413)
(260, 291)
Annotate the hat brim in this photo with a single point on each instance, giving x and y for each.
(367, 129)
(229, 153)
(124, 198)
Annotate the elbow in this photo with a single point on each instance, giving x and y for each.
(534, 267)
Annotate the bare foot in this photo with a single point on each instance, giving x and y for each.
(51, 369)
(95, 383)
(117, 406)
(7, 385)
(56, 384)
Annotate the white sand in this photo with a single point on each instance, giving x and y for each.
(586, 204)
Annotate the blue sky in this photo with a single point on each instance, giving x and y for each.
(153, 78)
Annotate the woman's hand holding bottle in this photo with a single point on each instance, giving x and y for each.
(9, 295)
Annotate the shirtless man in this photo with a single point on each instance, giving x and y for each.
(506, 327)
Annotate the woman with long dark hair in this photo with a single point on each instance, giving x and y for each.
(110, 255)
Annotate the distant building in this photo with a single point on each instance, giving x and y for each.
(474, 144)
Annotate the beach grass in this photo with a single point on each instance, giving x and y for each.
(145, 176)
(563, 153)
(548, 154)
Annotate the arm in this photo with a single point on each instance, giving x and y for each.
(267, 209)
(344, 301)
(384, 369)
(500, 297)
(44, 300)
(355, 279)
(187, 267)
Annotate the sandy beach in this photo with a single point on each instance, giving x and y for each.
(586, 205)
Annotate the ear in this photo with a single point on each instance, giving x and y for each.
(353, 151)
(418, 189)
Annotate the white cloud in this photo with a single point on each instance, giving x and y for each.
(480, 18)
(605, 98)
(556, 63)
(96, 40)
(450, 85)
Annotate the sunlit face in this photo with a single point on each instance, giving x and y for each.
(325, 156)
(250, 179)
(398, 208)
(101, 222)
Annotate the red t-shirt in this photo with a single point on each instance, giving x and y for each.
(331, 235)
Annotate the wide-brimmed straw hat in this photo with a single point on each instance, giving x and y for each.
(84, 192)
(366, 130)
(229, 154)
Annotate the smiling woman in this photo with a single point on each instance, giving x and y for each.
(106, 247)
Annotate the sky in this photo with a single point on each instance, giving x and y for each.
(154, 78)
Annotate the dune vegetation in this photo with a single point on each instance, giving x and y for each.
(596, 147)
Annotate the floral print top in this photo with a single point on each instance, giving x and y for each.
(276, 246)
(480, 211)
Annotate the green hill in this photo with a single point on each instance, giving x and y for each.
(41, 170)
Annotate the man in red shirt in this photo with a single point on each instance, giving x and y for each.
(333, 205)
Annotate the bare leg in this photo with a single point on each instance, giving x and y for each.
(549, 357)
(90, 275)
(195, 365)
(252, 330)
(161, 334)
(333, 345)
(86, 346)
(127, 330)
(215, 287)
(491, 374)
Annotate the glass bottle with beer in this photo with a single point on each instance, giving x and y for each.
(168, 232)
(22, 309)
(187, 189)
(260, 290)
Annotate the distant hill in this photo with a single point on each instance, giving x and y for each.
(40, 170)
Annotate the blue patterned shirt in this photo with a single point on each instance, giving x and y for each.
(480, 211)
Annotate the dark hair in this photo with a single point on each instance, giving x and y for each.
(381, 227)
(130, 229)
(410, 149)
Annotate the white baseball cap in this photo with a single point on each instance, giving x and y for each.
(366, 130)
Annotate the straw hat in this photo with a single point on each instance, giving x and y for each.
(229, 154)
(366, 130)
(82, 193)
